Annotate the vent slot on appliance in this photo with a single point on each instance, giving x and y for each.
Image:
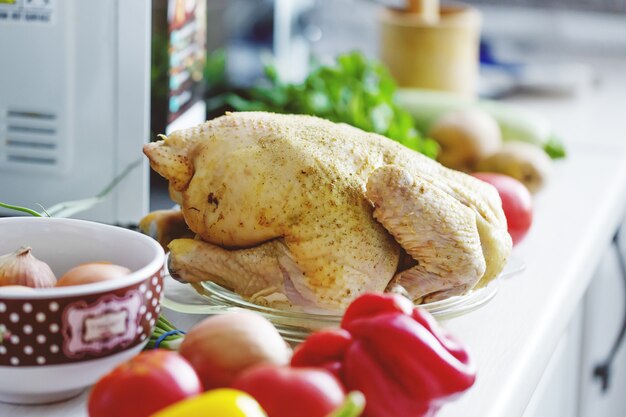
(31, 159)
(31, 139)
(26, 144)
(31, 115)
(31, 129)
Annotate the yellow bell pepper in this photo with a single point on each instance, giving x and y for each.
(223, 402)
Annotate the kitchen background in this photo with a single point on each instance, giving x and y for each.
(569, 61)
(562, 50)
(326, 28)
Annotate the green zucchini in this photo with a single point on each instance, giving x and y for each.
(428, 106)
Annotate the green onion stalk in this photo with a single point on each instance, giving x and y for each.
(21, 209)
(165, 335)
(69, 208)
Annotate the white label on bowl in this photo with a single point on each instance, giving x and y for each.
(106, 326)
(111, 322)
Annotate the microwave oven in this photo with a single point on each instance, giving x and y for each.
(74, 103)
(82, 80)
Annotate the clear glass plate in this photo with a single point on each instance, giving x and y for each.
(208, 298)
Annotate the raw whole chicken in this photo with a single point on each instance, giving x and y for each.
(298, 212)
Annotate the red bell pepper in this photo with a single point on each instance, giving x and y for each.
(395, 354)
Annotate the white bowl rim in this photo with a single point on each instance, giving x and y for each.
(135, 277)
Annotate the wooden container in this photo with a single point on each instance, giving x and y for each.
(434, 52)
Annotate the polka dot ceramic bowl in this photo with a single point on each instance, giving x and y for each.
(54, 342)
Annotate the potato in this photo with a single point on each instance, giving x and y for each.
(525, 162)
(466, 137)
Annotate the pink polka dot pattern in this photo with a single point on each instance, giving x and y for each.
(34, 332)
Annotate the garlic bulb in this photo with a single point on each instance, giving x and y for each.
(22, 268)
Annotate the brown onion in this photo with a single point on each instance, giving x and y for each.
(92, 272)
(22, 268)
(221, 347)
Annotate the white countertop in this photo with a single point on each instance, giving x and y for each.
(514, 335)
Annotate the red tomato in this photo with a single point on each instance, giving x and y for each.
(140, 387)
(517, 202)
(289, 392)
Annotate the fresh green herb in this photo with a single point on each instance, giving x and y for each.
(355, 90)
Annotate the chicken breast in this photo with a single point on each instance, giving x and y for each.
(285, 212)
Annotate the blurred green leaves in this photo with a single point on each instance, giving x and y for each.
(355, 90)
